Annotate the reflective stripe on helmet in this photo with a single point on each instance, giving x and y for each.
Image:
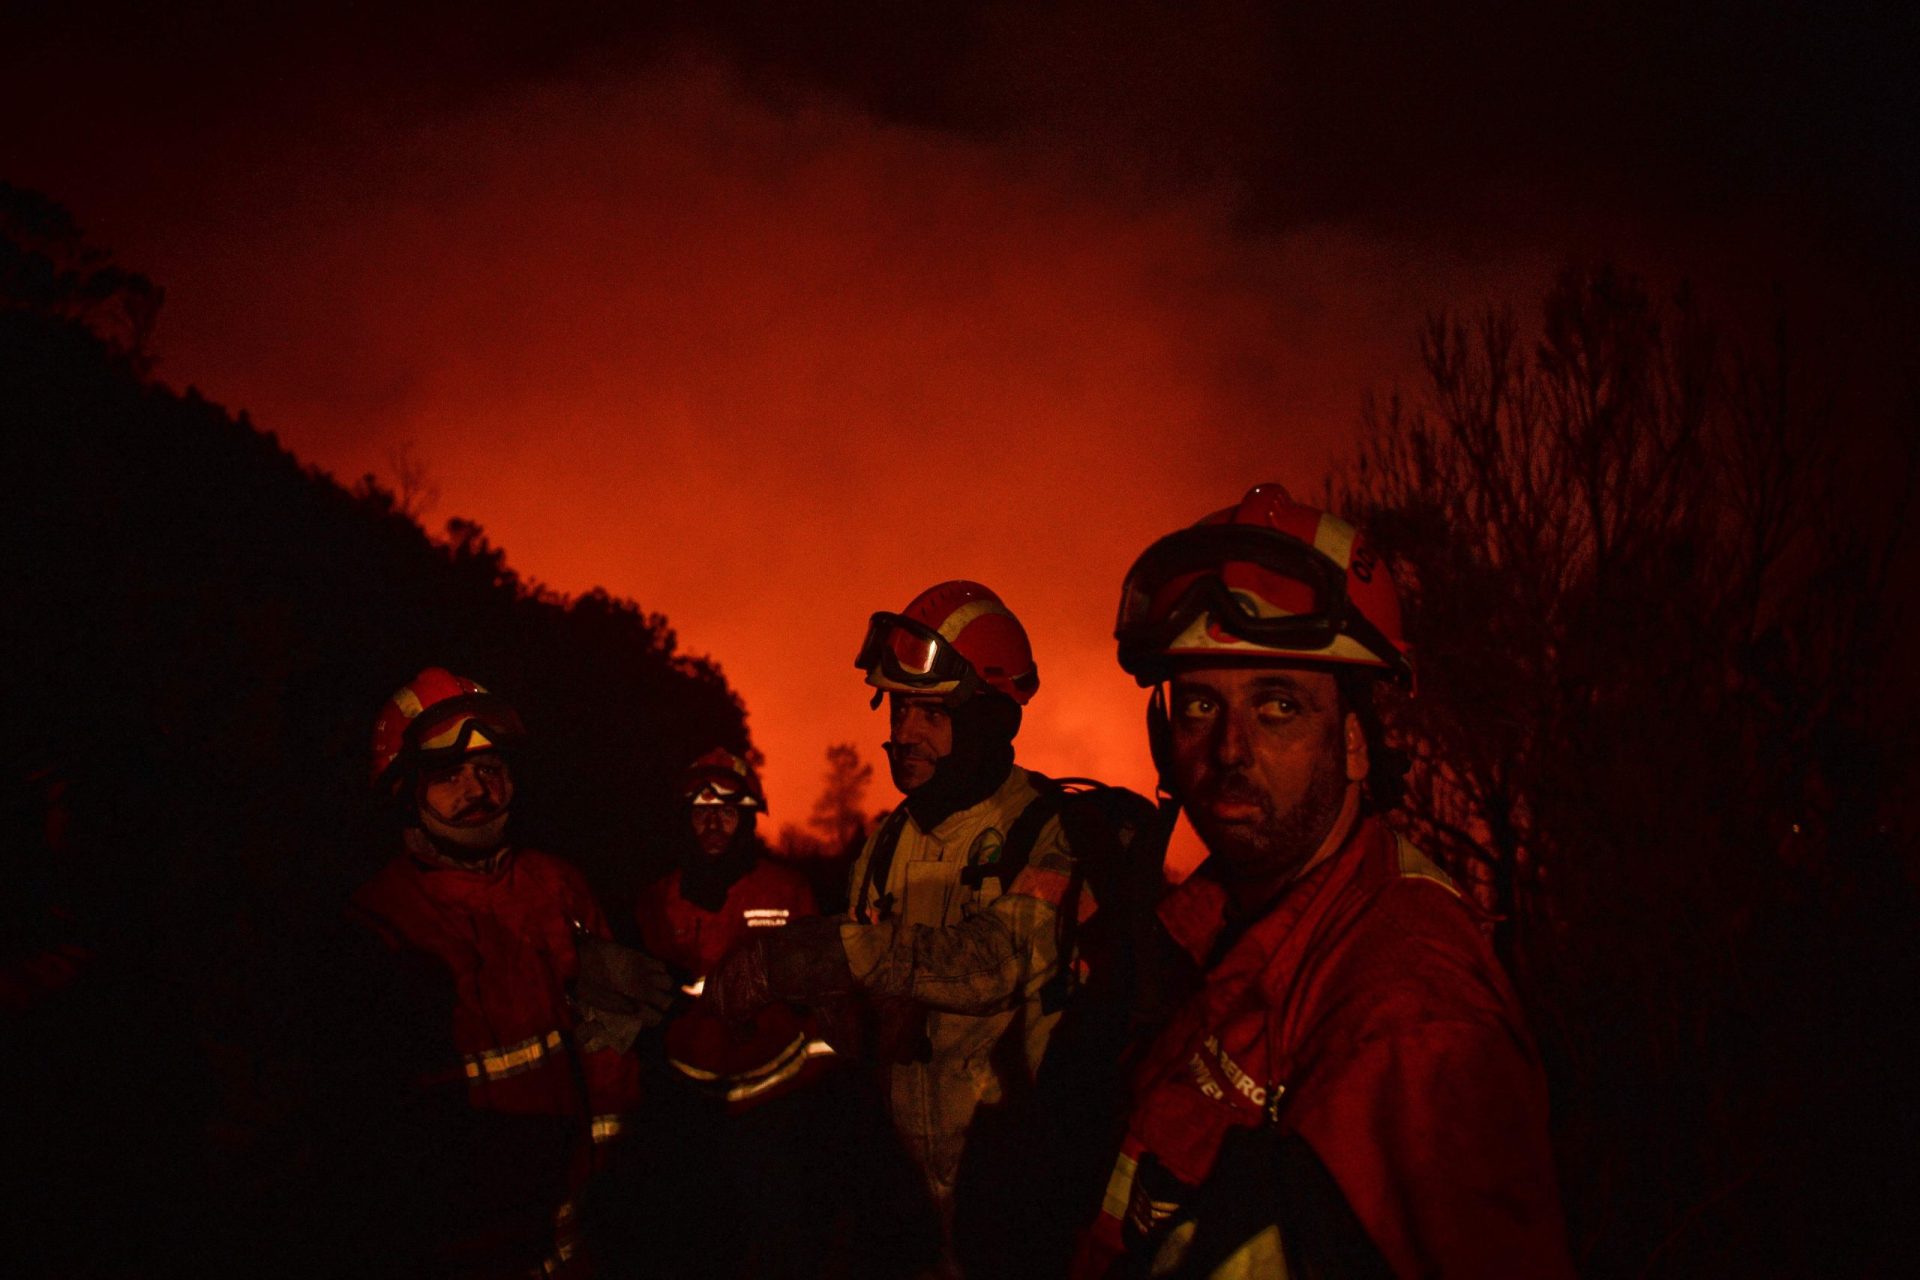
(960, 619)
(952, 640)
(1333, 538)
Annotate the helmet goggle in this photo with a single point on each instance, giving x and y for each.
(912, 655)
(720, 789)
(1300, 606)
(458, 727)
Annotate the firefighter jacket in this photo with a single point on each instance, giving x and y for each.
(1364, 1013)
(779, 1052)
(975, 951)
(504, 935)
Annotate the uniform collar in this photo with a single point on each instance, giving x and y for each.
(423, 853)
(1001, 798)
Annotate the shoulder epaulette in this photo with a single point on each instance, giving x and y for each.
(1415, 865)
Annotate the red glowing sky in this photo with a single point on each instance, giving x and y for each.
(767, 375)
(767, 362)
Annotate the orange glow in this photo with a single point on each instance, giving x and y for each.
(768, 372)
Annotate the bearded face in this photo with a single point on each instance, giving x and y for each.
(1262, 757)
(463, 804)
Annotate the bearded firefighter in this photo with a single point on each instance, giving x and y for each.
(1350, 1088)
(503, 929)
(953, 944)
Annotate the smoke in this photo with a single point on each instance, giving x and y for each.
(768, 368)
(774, 324)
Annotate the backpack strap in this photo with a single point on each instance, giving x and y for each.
(879, 867)
(1022, 835)
(1092, 816)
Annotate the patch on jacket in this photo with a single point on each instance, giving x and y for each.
(986, 847)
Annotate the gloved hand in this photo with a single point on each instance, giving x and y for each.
(618, 992)
(803, 962)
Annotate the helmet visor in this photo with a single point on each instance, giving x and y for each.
(1255, 585)
(910, 653)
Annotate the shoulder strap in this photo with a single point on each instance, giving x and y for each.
(1089, 829)
(880, 866)
(1022, 835)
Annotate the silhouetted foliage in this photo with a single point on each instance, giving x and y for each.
(46, 266)
(1662, 729)
(827, 845)
(839, 816)
(200, 631)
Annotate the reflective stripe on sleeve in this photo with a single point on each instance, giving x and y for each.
(510, 1060)
(742, 1085)
(607, 1127)
(566, 1241)
(1119, 1187)
(1051, 888)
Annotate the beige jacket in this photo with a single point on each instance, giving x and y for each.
(978, 957)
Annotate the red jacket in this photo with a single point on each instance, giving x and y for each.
(506, 937)
(1364, 1013)
(780, 1052)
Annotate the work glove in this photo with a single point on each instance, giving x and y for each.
(803, 962)
(618, 993)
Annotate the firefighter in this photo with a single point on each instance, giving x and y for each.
(498, 928)
(757, 1124)
(1349, 1089)
(721, 893)
(952, 932)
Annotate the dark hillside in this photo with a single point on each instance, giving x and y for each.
(199, 631)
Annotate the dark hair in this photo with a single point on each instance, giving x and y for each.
(1386, 765)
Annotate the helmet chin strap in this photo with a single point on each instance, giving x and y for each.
(1336, 834)
(1160, 743)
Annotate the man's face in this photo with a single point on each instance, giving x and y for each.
(922, 734)
(470, 793)
(713, 827)
(1262, 756)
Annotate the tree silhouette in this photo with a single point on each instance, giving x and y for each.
(47, 267)
(826, 846)
(838, 816)
(200, 630)
(1649, 582)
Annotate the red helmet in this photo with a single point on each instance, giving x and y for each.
(438, 715)
(1268, 578)
(720, 777)
(952, 640)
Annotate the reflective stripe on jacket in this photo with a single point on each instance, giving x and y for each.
(780, 1052)
(505, 938)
